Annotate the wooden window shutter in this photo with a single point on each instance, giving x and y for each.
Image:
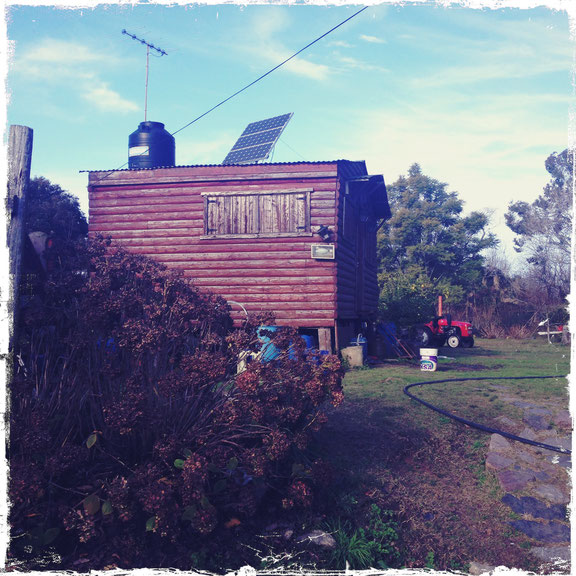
(214, 215)
(283, 213)
(257, 213)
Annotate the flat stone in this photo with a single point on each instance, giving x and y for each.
(543, 532)
(562, 419)
(528, 433)
(507, 423)
(477, 569)
(558, 554)
(497, 461)
(499, 444)
(526, 457)
(319, 538)
(512, 480)
(559, 459)
(536, 508)
(516, 402)
(564, 442)
(537, 411)
(542, 476)
(538, 418)
(551, 493)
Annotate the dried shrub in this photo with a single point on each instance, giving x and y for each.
(133, 437)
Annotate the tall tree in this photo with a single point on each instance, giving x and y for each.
(544, 228)
(54, 211)
(57, 214)
(429, 237)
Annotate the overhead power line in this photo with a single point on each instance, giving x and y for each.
(269, 71)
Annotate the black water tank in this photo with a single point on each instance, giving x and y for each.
(150, 147)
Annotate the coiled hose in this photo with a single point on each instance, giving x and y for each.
(481, 426)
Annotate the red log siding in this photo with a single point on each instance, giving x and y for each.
(160, 213)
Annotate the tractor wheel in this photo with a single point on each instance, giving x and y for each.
(453, 340)
(467, 342)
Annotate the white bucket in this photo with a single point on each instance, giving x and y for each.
(354, 355)
(428, 359)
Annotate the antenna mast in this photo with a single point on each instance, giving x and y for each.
(148, 47)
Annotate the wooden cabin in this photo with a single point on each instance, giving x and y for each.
(297, 239)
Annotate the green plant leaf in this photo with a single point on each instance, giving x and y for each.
(233, 463)
(151, 524)
(189, 513)
(179, 463)
(106, 507)
(220, 486)
(50, 535)
(91, 440)
(206, 504)
(91, 504)
(187, 452)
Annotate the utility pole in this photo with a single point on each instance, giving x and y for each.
(148, 48)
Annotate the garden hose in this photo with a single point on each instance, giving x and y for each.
(481, 426)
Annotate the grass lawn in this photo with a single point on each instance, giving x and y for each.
(430, 471)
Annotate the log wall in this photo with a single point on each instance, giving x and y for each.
(161, 213)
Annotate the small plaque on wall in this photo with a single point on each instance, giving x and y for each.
(322, 251)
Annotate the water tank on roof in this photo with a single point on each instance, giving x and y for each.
(151, 146)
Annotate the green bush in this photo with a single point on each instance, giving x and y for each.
(133, 440)
(374, 545)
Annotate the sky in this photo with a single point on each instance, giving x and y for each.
(479, 97)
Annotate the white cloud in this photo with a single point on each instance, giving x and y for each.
(299, 66)
(490, 156)
(339, 44)
(73, 67)
(356, 64)
(266, 27)
(107, 100)
(512, 50)
(372, 39)
(309, 69)
(205, 151)
(51, 50)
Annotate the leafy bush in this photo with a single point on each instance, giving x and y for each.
(409, 297)
(370, 546)
(133, 440)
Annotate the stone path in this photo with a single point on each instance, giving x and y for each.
(536, 481)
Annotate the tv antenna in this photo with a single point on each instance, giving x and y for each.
(148, 48)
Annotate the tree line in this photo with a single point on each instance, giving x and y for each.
(430, 247)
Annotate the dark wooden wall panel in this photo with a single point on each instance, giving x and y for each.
(160, 213)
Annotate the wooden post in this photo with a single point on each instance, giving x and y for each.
(325, 339)
(19, 162)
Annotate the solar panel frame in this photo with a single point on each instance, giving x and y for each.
(247, 141)
(257, 140)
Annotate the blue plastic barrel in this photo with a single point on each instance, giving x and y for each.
(268, 351)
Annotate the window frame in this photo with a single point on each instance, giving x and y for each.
(211, 196)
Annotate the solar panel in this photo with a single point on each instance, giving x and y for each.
(257, 140)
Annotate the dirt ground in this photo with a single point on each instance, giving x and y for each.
(434, 478)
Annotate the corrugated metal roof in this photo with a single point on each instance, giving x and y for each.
(225, 166)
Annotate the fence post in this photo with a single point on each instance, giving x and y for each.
(19, 162)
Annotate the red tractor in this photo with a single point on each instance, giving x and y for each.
(443, 330)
